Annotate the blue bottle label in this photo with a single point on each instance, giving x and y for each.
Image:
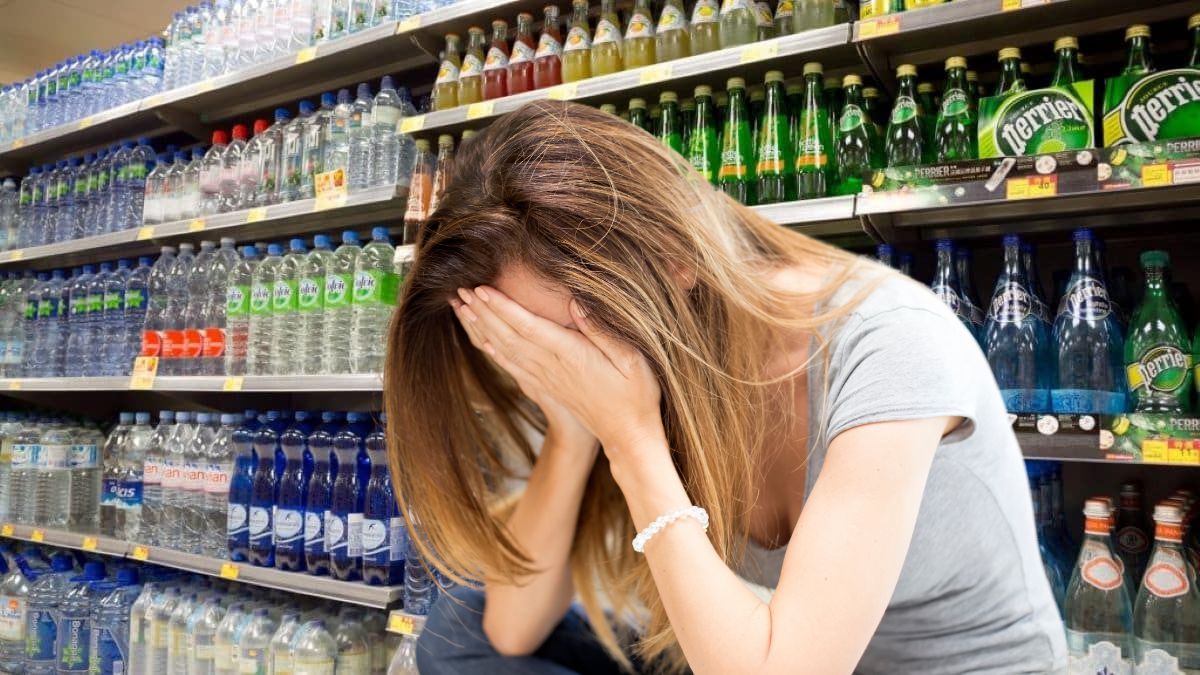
(314, 533)
(383, 540)
(84, 456)
(261, 532)
(289, 528)
(129, 494)
(41, 633)
(109, 656)
(1011, 304)
(110, 492)
(343, 535)
(74, 652)
(236, 522)
(1086, 300)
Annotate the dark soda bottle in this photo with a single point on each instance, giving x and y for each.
(383, 533)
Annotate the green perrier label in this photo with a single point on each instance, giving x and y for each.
(904, 110)
(1163, 369)
(852, 118)
(1037, 121)
(1159, 106)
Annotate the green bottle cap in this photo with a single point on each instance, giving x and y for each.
(703, 90)
(668, 97)
(1137, 30)
(1010, 53)
(812, 67)
(1155, 259)
(906, 70)
(956, 62)
(1067, 42)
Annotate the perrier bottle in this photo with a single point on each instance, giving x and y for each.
(904, 143)
(927, 110)
(1157, 351)
(954, 132)
(813, 170)
(670, 130)
(1194, 29)
(1138, 63)
(776, 176)
(736, 176)
(858, 149)
(1066, 68)
(704, 148)
(1011, 78)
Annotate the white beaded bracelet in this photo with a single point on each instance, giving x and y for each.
(695, 512)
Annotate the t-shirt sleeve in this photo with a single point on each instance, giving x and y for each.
(903, 363)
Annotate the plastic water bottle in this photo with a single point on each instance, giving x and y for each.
(51, 488)
(139, 637)
(255, 644)
(153, 517)
(270, 157)
(313, 145)
(319, 494)
(53, 311)
(156, 303)
(212, 175)
(337, 134)
(110, 480)
(354, 655)
(130, 483)
(358, 175)
(311, 306)
(41, 616)
(189, 190)
(343, 526)
(78, 327)
(293, 484)
(177, 658)
(376, 284)
(314, 649)
(112, 324)
(108, 209)
(155, 200)
(141, 162)
(385, 140)
(285, 311)
(136, 300)
(8, 431)
(280, 656)
(172, 186)
(262, 338)
(73, 647)
(250, 170)
(1016, 342)
(173, 467)
(195, 319)
(230, 171)
(263, 486)
(90, 345)
(83, 461)
(241, 484)
(946, 286)
(195, 515)
(237, 311)
(339, 310)
(173, 345)
(292, 156)
(218, 456)
(14, 597)
(33, 326)
(202, 632)
(383, 533)
(158, 620)
(225, 646)
(26, 446)
(110, 646)
(211, 315)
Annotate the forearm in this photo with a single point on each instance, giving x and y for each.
(518, 617)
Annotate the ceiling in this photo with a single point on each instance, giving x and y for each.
(75, 27)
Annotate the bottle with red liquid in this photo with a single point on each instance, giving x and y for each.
(495, 66)
(520, 63)
(547, 61)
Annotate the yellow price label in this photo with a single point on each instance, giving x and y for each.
(331, 190)
(38, 535)
(411, 125)
(229, 571)
(16, 255)
(86, 122)
(153, 101)
(256, 214)
(563, 92)
(206, 86)
(1183, 455)
(145, 233)
(305, 55)
(884, 25)
(401, 623)
(6, 530)
(478, 110)
(1156, 175)
(18, 144)
(653, 74)
(1010, 5)
(89, 544)
(144, 370)
(1032, 187)
(141, 553)
(410, 24)
(233, 383)
(14, 385)
(197, 225)
(759, 51)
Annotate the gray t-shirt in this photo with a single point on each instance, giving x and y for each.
(973, 595)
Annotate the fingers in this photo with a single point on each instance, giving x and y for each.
(467, 319)
(623, 356)
(529, 326)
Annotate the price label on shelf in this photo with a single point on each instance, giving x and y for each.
(38, 535)
(89, 544)
(478, 110)
(410, 24)
(229, 571)
(401, 623)
(145, 233)
(197, 225)
(563, 92)
(1031, 187)
(330, 190)
(884, 25)
(14, 385)
(759, 51)
(256, 214)
(6, 530)
(233, 383)
(144, 370)
(411, 125)
(654, 74)
(86, 122)
(1156, 175)
(141, 553)
(305, 55)
(1010, 5)
(18, 144)
(18, 254)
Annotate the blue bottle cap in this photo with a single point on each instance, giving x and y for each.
(142, 418)
(301, 415)
(198, 152)
(353, 417)
(1011, 240)
(306, 108)
(274, 415)
(379, 233)
(93, 570)
(962, 252)
(296, 246)
(328, 99)
(203, 418)
(35, 171)
(386, 83)
(1082, 234)
(127, 576)
(343, 96)
(171, 148)
(106, 267)
(145, 261)
(43, 276)
(329, 416)
(89, 158)
(349, 237)
(382, 418)
(321, 241)
(125, 418)
(141, 141)
(282, 114)
(274, 249)
(61, 562)
(229, 418)
(167, 416)
(364, 91)
(1026, 246)
(183, 416)
(88, 269)
(249, 252)
(58, 274)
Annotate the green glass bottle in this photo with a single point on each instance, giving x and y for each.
(687, 119)
(795, 103)
(1139, 62)
(976, 87)
(736, 176)
(655, 120)
(638, 115)
(776, 175)
(873, 104)
(1010, 72)
(904, 145)
(670, 130)
(858, 153)
(722, 101)
(927, 110)
(834, 102)
(954, 132)
(704, 149)
(1194, 29)
(758, 99)
(1066, 68)
(813, 169)
(1157, 350)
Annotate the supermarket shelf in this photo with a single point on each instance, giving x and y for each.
(83, 542)
(251, 383)
(828, 217)
(274, 222)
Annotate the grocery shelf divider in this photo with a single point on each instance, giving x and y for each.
(369, 382)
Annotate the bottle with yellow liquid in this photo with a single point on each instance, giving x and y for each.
(639, 37)
(672, 40)
(812, 14)
(739, 25)
(784, 13)
(764, 20)
(872, 8)
(606, 43)
(470, 77)
(445, 90)
(706, 27)
(577, 51)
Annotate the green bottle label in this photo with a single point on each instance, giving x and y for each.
(1037, 121)
(853, 117)
(76, 306)
(338, 289)
(95, 303)
(1162, 369)
(260, 300)
(237, 301)
(31, 309)
(376, 287)
(112, 302)
(904, 110)
(283, 296)
(1160, 106)
(312, 293)
(955, 103)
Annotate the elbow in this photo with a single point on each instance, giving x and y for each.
(508, 639)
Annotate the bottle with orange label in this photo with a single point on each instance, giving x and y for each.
(814, 142)
(495, 64)
(547, 60)
(671, 38)
(736, 176)
(441, 174)
(639, 47)
(705, 31)
(470, 77)
(577, 51)
(1097, 610)
(520, 63)
(420, 191)
(1166, 632)
(606, 57)
(445, 90)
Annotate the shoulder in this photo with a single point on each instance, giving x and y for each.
(894, 306)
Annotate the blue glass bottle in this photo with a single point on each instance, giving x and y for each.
(262, 491)
(966, 284)
(240, 487)
(1016, 341)
(320, 491)
(383, 533)
(1034, 283)
(293, 484)
(1090, 375)
(343, 526)
(945, 284)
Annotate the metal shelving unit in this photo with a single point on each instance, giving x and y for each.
(249, 383)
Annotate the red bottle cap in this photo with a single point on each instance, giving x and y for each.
(240, 133)
(220, 138)
(260, 126)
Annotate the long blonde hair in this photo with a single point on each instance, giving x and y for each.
(591, 203)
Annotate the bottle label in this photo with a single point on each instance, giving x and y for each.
(260, 300)
(152, 472)
(193, 343)
(949, 297)
(472, 66)
(785, 10)
(672, 18)
(48, 308)
(376, 287)
(1101, 658)
(606, 32)
(41, 633)
(109, 652)
(640, 26)
(728, 6)
(135, 299)
(113, 301)
(955, 103)
(731, 165)
(109, 490)
(770, 160)
(375, 542)
(172, 475)
(1011, 305)
(497, 59)
(306, 665)
(216, 478)
(852, 118)
(260, 525)
(289, 527)
(94, 302)
(385, 116)
(1086, 300)
(335, 532)
(1166, 576)
(447, 73)
(129, 494)
(235, 520)
(172, 344)
(762, 12)
(12, 619)
(353, 663)
(84, 457)
(237, 301)
(194, 477)
(1132, 540)
(311, 294)
(397, 539)
(22, 455)
(521, 53)
(283, 299)
(151, 343)
(1162, 369)
(1098, 568)
(577, 39)
(354, 523)
(811, 153)
(548, 46)
(904, 110)
(314, 533)
(52, 456)
(214, 343)
(74, 654)
(338, 290)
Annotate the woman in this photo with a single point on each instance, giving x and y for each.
(865, 500)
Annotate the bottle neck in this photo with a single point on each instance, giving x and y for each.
(704, 113)
(1195, 60)
(814, 91)
(1155, 282)
(1012, 262)
(737, 107)
(945, 267)
(1085, 261)
(1010, 72)
(907, 87)
(774, 101)
(1139, 56)
(854, 96)
(956, 78)
(1168, 535)
(1065, 70)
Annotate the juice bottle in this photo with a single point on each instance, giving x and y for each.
(739, 25)
(704, 148)
(812, 14)
(670, 130)
(577, 52)
(706, 27)
(766, 23)
(785, 23)
(547, 60)
(606, 43)
(520, 63)
(441, 174)
(420, 189)
(672, 40)
(495, 66)
(445, 91)
(639, 37)
(638, 115)
(736, 175)
(470, 78)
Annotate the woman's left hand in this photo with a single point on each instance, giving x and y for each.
(606, 383)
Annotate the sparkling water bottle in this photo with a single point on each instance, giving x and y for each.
(946, 284)
(343, 526)
(1097, 609)
(359, 130)
(311, 306)
(262, 491)
(241, 484)
(285, 311)
(1016, 342)
(339, 310)
(1166, 634)
(237, 311)
(320, 492)
(383, 533)
(376, 284)
(262, 329)
(292, 486)
(218, 474)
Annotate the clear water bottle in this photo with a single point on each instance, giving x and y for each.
(153, 520)
(231, 167)
(111, 208)
(420, 588)
(52, 484)
(1015, 339)
(358, 176)
(139, 637)
(141, 162)
(177, 658)
(130, 483)
(215, 37)
(383, 533)
(174, 486)
(111, 624)
(194, 317)
(136, 301)
(202, 633)
(255, 644)
(311, 306)
(32, 363)
(114, 446)
(213, 175)
(404, 660)
(83, 461)
(172, 186)
(171, 359)
(237, 311)
(354, 656)
(194, 506)
(1030, 267)
(250, 171)
(1164, 627)
(189, 188)
(219, 457)
(158, 620)
(26, 447)
(91, 345)
(262, 334)
(280, 657)
(270, 158)
(1097, 610)
(376, 284)
(339, 298)
(41, 616)
(112, 321)
(241, 484)
(946, 286)
(285, 311)
(320, 493)
(78, 327)
(313, 145)
(225, 646)
(407, 152)
(74, 622)
(337, 135)
(9, 427)
(292, 156)
(386, 112)
(14, 597)
(313, 649)
(212, 317)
